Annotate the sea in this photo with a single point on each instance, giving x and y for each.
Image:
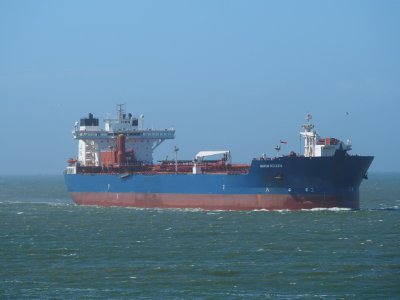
(51, 248)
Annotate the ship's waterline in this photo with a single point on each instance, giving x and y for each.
(217, 202)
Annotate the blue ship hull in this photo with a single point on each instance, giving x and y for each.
(280, 183)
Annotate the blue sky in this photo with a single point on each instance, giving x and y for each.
(238, 75)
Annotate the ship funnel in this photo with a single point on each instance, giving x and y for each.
(121, 155)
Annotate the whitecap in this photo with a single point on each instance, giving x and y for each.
(283, 210)
(328, 209)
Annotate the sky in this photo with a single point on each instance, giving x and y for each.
(227, 75)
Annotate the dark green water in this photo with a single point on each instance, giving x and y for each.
(52, 249)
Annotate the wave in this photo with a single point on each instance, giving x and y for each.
(335, 209)
(390, 208)
(38, 203)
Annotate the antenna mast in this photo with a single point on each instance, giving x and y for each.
(176, 149)
(310, 137)
(121, 110)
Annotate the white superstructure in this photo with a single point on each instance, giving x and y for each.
(94, 140)
(315, 146)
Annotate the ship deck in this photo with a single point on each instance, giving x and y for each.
(182, 167)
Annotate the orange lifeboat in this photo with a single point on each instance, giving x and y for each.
(71, 161)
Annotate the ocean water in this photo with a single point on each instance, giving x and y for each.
(53, 249)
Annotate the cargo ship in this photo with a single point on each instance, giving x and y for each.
(115, 167)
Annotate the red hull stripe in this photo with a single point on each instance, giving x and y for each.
(210, 201)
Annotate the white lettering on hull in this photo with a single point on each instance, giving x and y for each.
(272, 166)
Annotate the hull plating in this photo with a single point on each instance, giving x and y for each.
(217, 202)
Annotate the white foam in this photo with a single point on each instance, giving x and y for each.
(328, 209)
(71, 254)
(271, 210)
